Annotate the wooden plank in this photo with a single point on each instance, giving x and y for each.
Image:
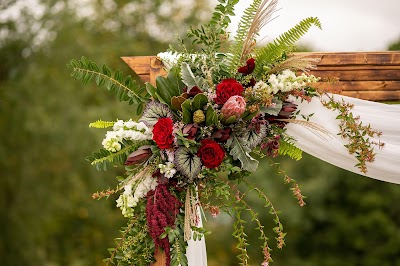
(357, 58)
(361, 85)
(362, 74)
(374, 95)
(139, 64)
(353, 75)
(357, 67)
(145, 78)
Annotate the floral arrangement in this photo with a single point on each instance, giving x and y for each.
(203, 129)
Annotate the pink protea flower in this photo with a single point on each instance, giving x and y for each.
(234, 106)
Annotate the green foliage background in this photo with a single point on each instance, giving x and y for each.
(47, 216)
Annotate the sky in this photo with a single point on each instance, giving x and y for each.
(347, 25)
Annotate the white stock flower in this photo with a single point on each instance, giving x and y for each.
(167, 169)
(129, 130)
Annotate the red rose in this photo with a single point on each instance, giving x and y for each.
(211, 153)
(162, 133)
(248, 68)
(226, 89)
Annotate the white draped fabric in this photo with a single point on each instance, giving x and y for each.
(382, 117)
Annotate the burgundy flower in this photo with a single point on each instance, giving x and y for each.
(211, 153)
(248, 68)
(226, 89)
(139, 156)
(190, 130)
(272, 146)
(161, 210)
(162, 133)
(194, 91)
(222, 135)
(288, 109)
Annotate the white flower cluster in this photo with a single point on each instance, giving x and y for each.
(127, 200)
(167, 169)
(128, 130)
(285, 82)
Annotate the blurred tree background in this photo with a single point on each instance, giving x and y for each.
(47, 216)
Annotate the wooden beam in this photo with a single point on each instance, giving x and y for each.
(367, 75)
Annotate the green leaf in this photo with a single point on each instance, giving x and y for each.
(211, 117)
(169, 87)
(151, 90)
(154, 111)
(187, 116)
(273, 110)
(199, 101)
(190, 80)
(176, 103)
(188, 163)
(240, 151)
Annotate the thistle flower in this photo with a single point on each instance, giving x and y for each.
(235, 106)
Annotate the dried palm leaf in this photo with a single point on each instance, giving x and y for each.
(296, 62)
(262, 17)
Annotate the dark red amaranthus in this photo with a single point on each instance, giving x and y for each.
(161, 210)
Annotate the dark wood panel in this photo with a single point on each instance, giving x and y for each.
(357, 58)
(374, 95)
(361, 85)
(361, 75)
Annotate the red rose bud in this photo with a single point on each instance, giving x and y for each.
(190, 130)
(248, 68)
(235, 106)
(211, 153)
(139, 156)
(226, 89)
(162, 133)
(222, 135)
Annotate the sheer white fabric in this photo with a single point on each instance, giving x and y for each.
(196, 251)
(382, 117)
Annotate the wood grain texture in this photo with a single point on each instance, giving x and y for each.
(366, 75)
(160, 258)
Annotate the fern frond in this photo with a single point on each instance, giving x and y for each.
(274, 50)
(289, 149)
(102, 124)
(103, 158)
(125, 89)
(255, 17)
(295, 62)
